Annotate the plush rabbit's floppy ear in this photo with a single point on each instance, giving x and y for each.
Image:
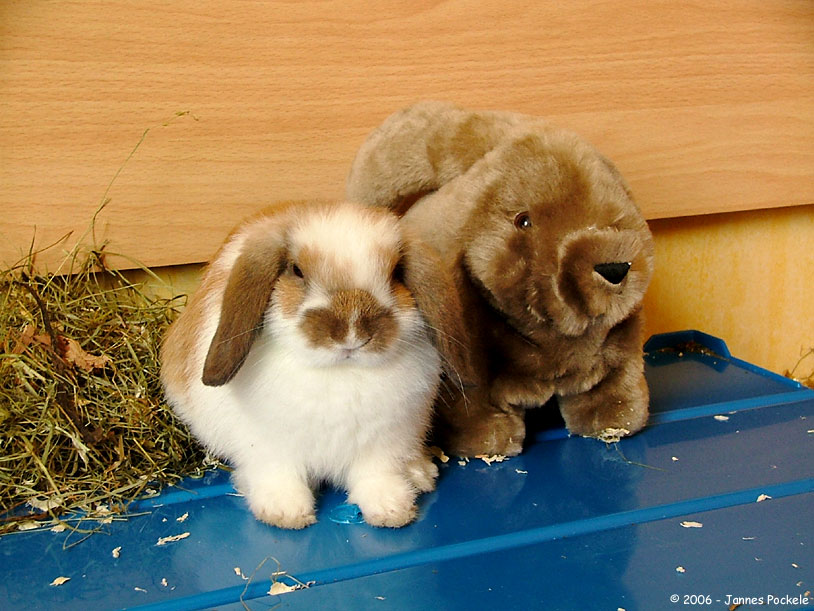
(245, 300)
(433, 288)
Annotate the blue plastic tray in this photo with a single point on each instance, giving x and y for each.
(572, 523)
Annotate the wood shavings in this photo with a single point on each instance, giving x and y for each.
(138, 589)
(721, 418)
(117, 551)
(688, 524)
(439, 454)
(45, 504)
(28, 525)
(763, 497)
(182, 518)
(103, 514)
(59, 581)
(172, 538)
(674, 458)
(521, 472)
(278, 587)
(490, 459)
(680, 569)
(164, 582)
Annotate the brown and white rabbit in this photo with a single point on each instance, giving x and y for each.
(312, 352)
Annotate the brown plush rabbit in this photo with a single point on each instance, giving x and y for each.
(552, 258)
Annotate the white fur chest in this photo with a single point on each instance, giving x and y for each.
(322, 418)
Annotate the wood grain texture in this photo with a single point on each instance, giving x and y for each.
(705, 107)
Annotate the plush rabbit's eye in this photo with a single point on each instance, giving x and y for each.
(295, 269)
(522, 220)
(398, 273)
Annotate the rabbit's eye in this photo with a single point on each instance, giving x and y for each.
(522, 220)
(295, 269)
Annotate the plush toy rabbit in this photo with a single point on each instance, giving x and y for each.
(552, 258)
(310, 353)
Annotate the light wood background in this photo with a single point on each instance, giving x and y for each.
(705, 106)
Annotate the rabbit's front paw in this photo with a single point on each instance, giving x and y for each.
(386, 501)
(422, 473)
(283, 515)
(281, 502)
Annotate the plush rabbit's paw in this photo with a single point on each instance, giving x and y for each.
(385, 501)
(497, 432)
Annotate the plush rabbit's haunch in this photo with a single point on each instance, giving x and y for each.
(312, 351)
(551, 255)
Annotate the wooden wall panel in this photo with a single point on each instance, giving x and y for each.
(706, 107)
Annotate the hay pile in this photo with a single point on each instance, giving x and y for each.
(82, 420)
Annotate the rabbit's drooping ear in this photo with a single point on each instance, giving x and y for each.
(245, 300)
(432, 285)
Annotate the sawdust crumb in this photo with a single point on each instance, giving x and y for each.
(612, 435)
(763, 497)
(172, 538)
(117, 551)
(689, 524)
(490, 459)
(59, 581)
(28, 525)
(278, 587)
(721, 418)
(680, 569)
(439, 454)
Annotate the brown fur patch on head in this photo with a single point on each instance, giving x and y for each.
(290, 294)
(316, 266)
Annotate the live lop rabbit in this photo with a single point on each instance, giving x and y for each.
(311, 352)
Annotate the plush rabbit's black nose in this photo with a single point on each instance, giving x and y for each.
(612, 272)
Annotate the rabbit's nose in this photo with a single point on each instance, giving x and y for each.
(612, 272)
